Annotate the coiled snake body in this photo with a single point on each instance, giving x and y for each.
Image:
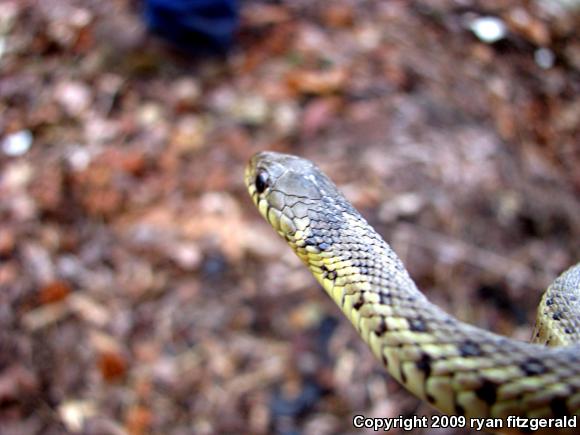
(458, 368)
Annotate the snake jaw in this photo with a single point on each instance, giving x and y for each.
(285, 212)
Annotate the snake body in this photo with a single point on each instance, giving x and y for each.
(456, 367)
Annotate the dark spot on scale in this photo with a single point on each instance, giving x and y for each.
(424, 364)
(417, 325)
(557, 316)
(429, 398)
(568, 330)
(385, 298)
(559, 407)
(358, 303)
(310, 242)
(382, 328)
(385, 360)
(549, 302)
(459, 410)
(469, 348)
(533, 367)
(328, 274)
(487, 392)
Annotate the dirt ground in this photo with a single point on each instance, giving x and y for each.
(141, 292)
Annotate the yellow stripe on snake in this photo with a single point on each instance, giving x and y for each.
(457, 368)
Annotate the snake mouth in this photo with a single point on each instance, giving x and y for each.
(269, 213)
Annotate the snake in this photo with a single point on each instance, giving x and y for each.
(457, 368)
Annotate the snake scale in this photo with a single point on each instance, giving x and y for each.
(456, 367)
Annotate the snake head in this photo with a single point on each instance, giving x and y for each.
(284, 188)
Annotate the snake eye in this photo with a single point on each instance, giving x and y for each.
(262, 181)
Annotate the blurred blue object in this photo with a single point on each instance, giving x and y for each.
(196, 26)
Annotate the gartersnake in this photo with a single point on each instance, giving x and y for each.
(456, 367)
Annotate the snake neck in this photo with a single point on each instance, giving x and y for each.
(456, 367)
